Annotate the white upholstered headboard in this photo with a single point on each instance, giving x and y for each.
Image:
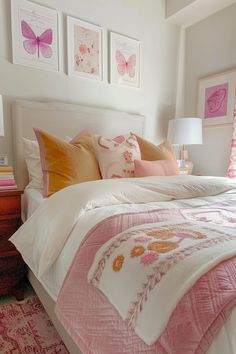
(63, 120)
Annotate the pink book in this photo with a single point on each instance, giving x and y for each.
(14, 186)
(7, 182)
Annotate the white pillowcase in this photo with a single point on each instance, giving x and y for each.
(32, 158)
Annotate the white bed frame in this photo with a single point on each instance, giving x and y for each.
(63, 120)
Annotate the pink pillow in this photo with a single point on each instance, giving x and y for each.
(116, 156)
(143, 168)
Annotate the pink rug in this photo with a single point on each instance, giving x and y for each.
(25, 328)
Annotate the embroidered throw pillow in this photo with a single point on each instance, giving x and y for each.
(152, 152)
(116, 156)
(155, 168)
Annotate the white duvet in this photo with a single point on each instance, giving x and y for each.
(49, 240)
(45, 233)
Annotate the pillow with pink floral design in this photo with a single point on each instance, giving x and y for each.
(116, 155)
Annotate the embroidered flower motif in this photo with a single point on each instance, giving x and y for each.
(181, 233)
(137, 251)
(118, 263)
(149, 258)
(128, 156)
(142, 239)
(162, 234)
(162, 247)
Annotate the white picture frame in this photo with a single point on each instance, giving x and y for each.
(216, 99)
(125, 61)
(35, 41)
(84, 49)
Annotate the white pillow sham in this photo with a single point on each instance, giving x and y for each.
(32, 158)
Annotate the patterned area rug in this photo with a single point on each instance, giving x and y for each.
(25, 328)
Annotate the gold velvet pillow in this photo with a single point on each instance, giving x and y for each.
(152, 152)
(64, 164)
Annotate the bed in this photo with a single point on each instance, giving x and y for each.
(51, 116)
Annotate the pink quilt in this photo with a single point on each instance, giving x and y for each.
(95, 325)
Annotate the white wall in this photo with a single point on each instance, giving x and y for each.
(144, 20)
(210, 49)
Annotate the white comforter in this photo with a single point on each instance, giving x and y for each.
(44, 235)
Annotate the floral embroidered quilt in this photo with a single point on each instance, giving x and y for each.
(150, 267)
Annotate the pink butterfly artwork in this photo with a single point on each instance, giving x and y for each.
(37, 44)
(216, 101)
(126, 65)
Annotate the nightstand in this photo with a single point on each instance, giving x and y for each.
(12, 267)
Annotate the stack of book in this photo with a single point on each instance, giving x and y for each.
(7, 179)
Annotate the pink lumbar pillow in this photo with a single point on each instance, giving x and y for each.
(116, 156)
(143, 168)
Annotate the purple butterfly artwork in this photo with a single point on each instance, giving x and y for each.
(216, 101)
(33, 44)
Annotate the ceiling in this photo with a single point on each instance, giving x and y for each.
(188, 12)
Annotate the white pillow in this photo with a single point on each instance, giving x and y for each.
(32, 158)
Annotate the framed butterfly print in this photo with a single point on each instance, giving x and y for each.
(34, 35)
(124, 61)
(216, 98)
(85, 49)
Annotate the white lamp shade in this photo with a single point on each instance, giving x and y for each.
(185, 131)
(1, 118)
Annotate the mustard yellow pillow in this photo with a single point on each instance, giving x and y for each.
(152, 152)
(64, 164)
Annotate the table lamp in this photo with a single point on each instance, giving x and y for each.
(185, 131)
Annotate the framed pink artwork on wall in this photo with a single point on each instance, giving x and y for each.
(85, 49)
(216, 98)
(34, 35)
(125, 61)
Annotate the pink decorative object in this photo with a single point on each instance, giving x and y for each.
(125, 66)
(231, 173)
(216, 101)
(124, 60)
(40, 44)
(216, 98)
(116, 156)
(142, 239)
(155, 168)
(34, 35)
(26, 328)
(149, 258)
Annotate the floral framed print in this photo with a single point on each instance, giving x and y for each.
(216, 98)
(85, 49)
(124, 61)
(34, 35)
